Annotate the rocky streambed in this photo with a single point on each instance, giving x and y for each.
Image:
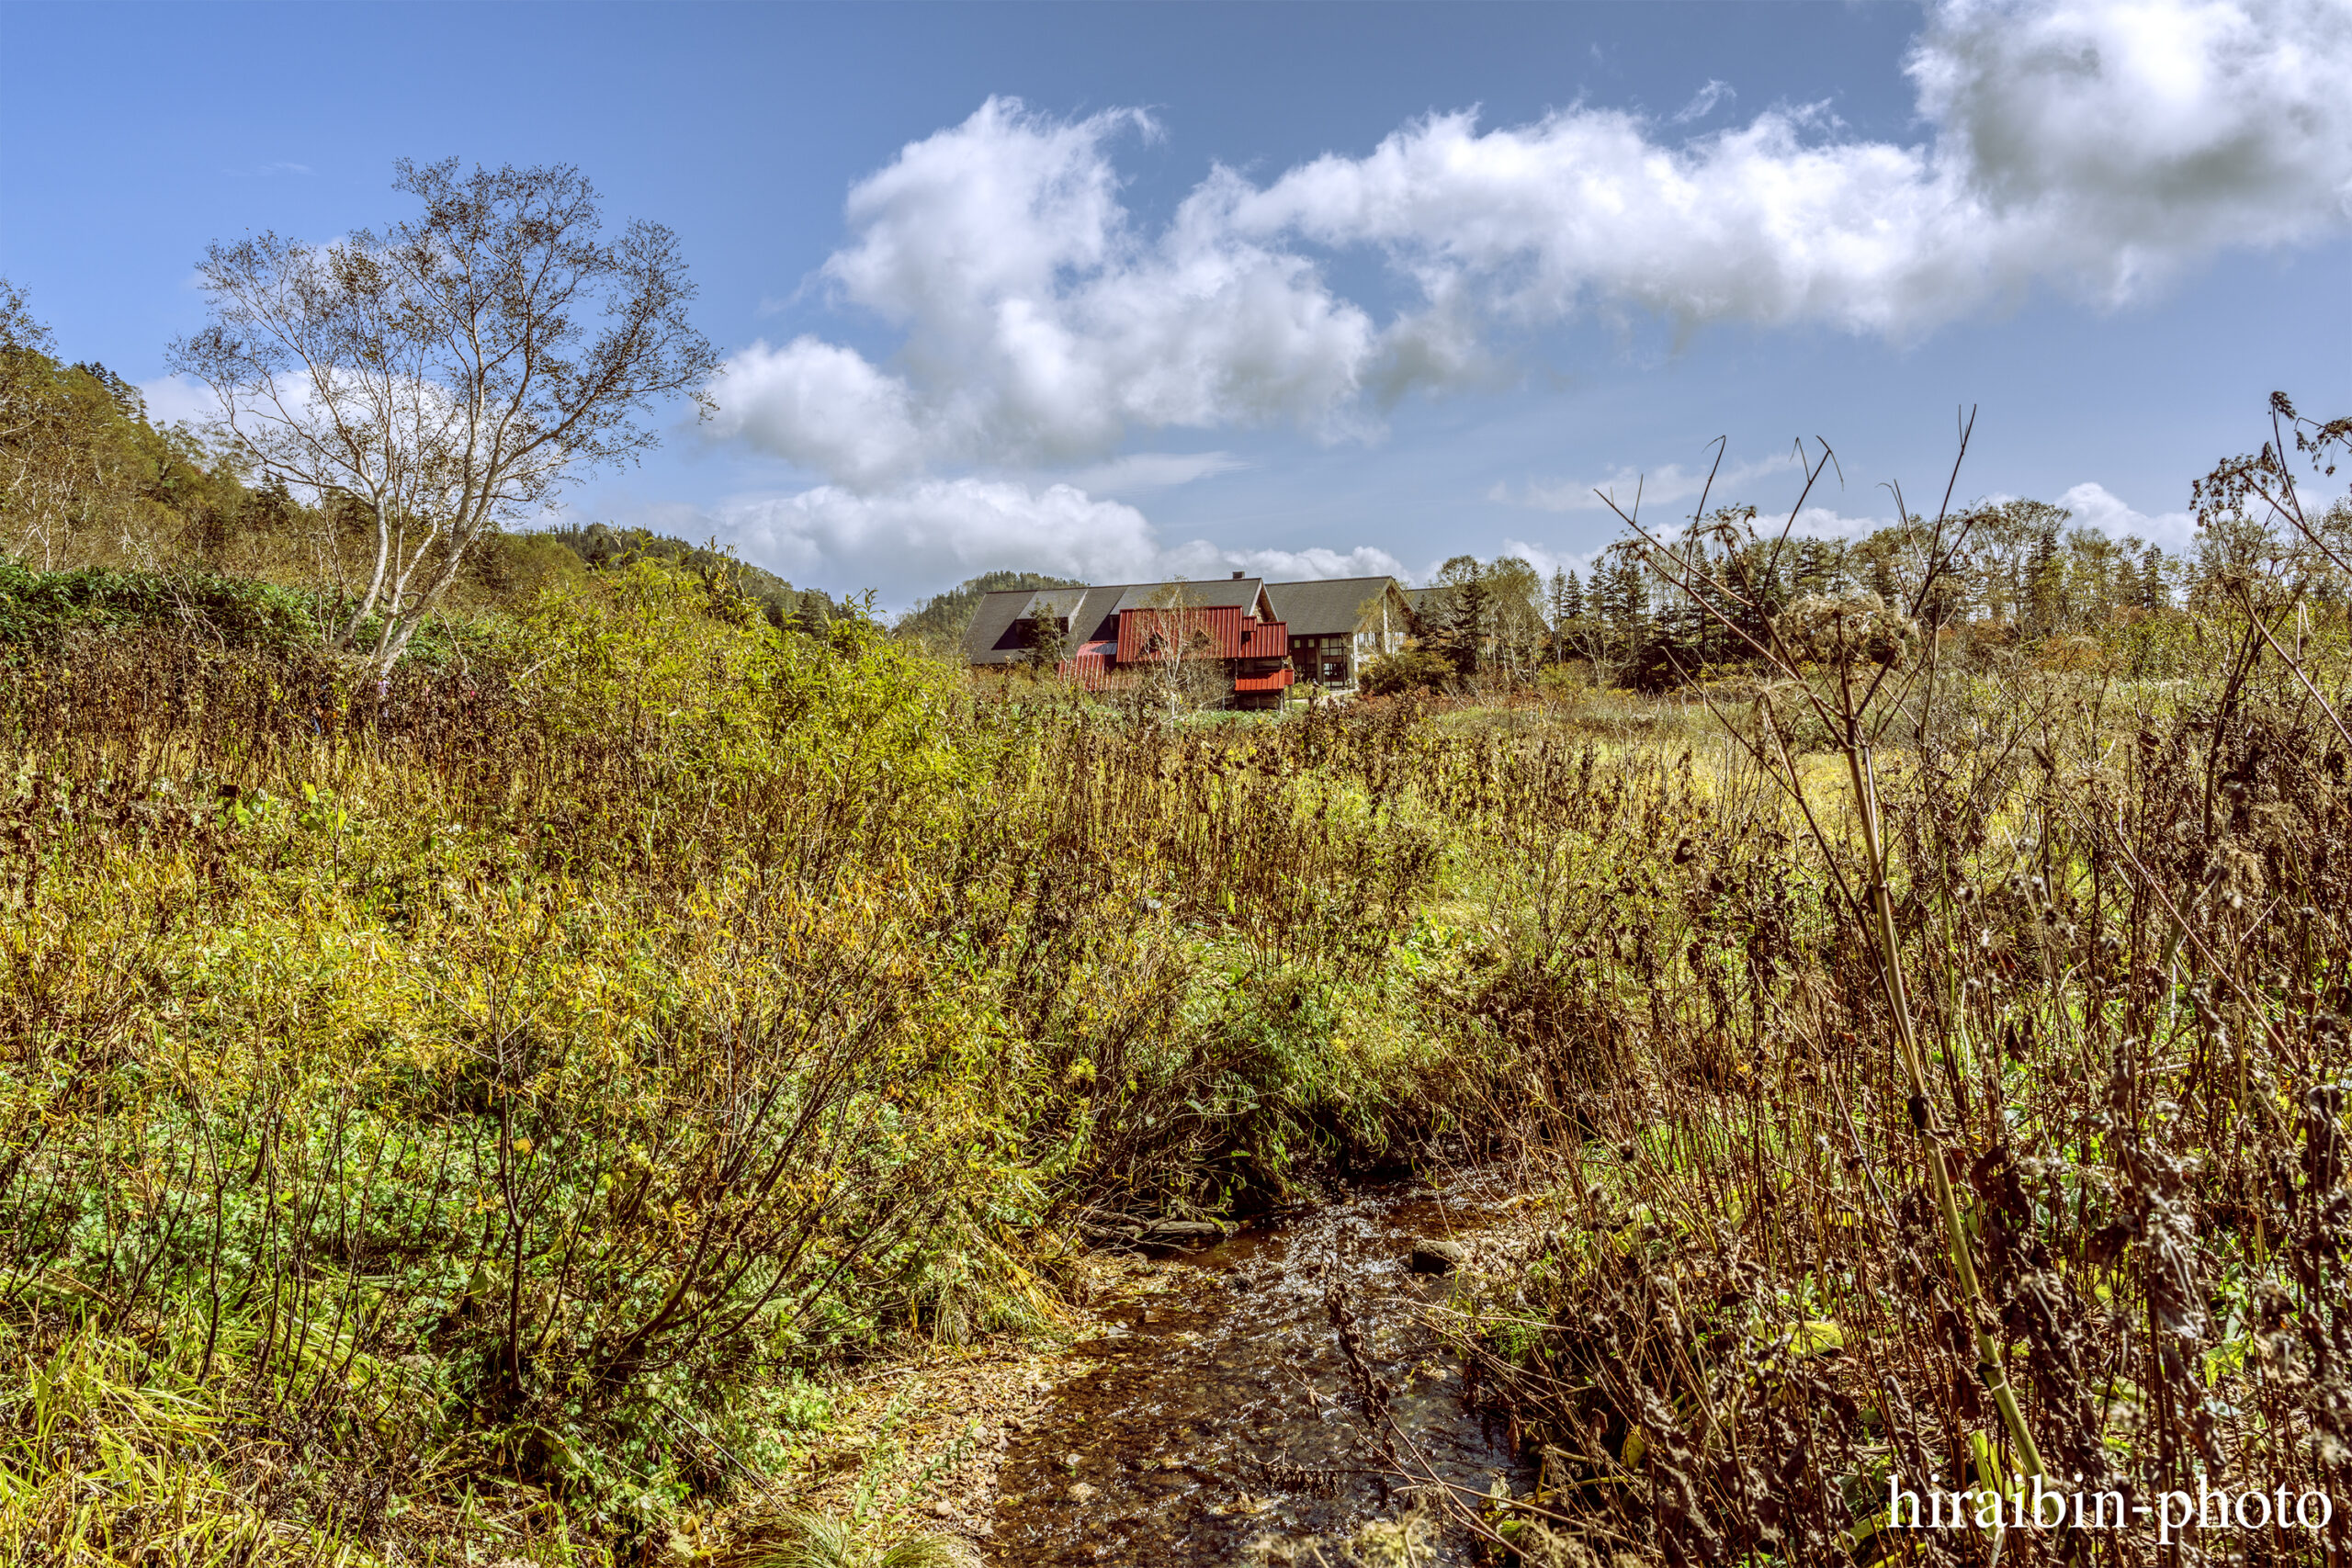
(1217, 1421)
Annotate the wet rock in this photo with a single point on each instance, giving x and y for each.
(1081, 1493)
(1436, 1257)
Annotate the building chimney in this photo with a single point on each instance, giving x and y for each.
(1236, 577)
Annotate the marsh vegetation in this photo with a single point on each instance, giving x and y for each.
(490, 1108)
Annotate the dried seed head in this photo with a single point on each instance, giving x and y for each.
(1853, 627)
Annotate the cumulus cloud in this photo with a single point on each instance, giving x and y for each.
(1291, 566)
(1545, 558)
(1828, 523)
(936, 530)
(1039, 327)
(2095, 506)
(823, 407)
(2097, 146)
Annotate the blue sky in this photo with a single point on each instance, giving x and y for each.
(1119, 290)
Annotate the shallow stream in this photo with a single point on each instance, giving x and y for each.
(1220, 1426)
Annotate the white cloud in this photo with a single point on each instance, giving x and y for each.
(2094, 507)
(1040, 326)
(171, 398)
(2101, 145)
(2097, 146)
(935, 532)
(823, 407)
(2133, 136)
(920, 537)
(1546, 560)
(1291, 566)
(1827, 523)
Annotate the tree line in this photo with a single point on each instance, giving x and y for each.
(2028, 574)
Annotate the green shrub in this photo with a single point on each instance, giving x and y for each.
(1412, 670)
(38, 607)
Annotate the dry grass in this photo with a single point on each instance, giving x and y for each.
(468, 1118)
(2121, 923)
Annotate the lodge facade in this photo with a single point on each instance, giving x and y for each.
(1241, 641)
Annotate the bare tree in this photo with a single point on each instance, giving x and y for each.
(1183, 672)
(447, 376)
(1514, 601)
(19, 328)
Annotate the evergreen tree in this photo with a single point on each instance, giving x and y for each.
(2045, 586)
(1623, 595)
(1565, 605)
(1051, 645)
(1756, 573)
(1466, 619)
(1820, 564)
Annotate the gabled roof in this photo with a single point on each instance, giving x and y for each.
(1333, 607)
(1058, 602)
(1211, 594)
(997, 632)
(993, 635)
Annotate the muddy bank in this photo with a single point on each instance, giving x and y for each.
(1216, 1424)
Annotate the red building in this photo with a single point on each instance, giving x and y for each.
(1220, 639)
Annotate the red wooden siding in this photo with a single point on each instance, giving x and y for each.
(1216, 628)
(1266, 639)
(1217, 631)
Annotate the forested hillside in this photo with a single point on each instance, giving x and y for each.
(937, 624)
